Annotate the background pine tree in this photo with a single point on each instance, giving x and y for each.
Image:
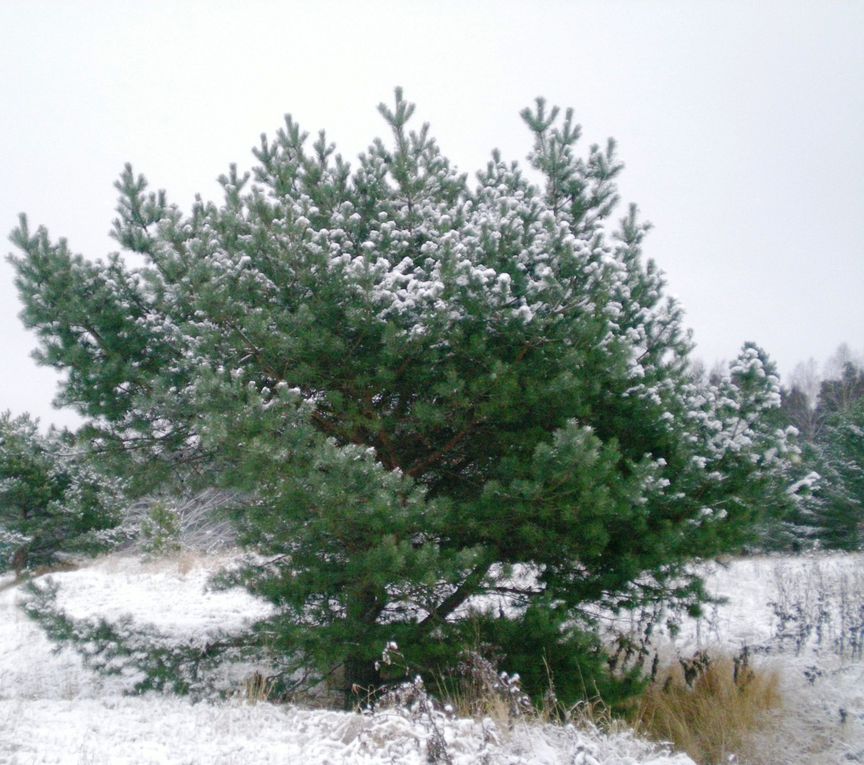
(51, 500)
(832, 515)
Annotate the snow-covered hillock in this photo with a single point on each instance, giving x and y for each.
(53, 709)
(170, 597)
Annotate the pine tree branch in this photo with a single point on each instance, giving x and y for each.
(420, 467)
(458, 596)
(517, 591)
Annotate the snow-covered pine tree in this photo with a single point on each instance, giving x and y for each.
(831, 513)
(429, 390)
(840, 502)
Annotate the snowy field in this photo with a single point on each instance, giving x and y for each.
(813, 637)
(54, 710)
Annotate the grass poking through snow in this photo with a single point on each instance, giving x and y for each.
(712, 708)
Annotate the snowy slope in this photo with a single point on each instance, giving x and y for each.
(54, 710)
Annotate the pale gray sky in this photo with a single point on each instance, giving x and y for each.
(740, 123)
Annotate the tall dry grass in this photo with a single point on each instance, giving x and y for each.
(712, 708)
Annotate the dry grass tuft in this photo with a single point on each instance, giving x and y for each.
(477, 689)
(258, 689)
(711, 708)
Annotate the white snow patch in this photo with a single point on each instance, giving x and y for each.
(172, 595)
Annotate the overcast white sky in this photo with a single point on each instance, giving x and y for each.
(741, 125)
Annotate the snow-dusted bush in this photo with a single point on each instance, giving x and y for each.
(164, 524)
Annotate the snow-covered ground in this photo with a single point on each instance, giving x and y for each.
(55, 710)
(822, 722)
(129, 730)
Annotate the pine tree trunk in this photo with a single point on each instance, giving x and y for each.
(19, 560)
(362, 679)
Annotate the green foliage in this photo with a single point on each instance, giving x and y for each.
(50, 498)
(547, 655)
(416, 384)
(160, 530)
(839, 505)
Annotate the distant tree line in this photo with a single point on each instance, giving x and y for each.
(829, 416)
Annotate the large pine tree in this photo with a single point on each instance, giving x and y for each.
(418, 383)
